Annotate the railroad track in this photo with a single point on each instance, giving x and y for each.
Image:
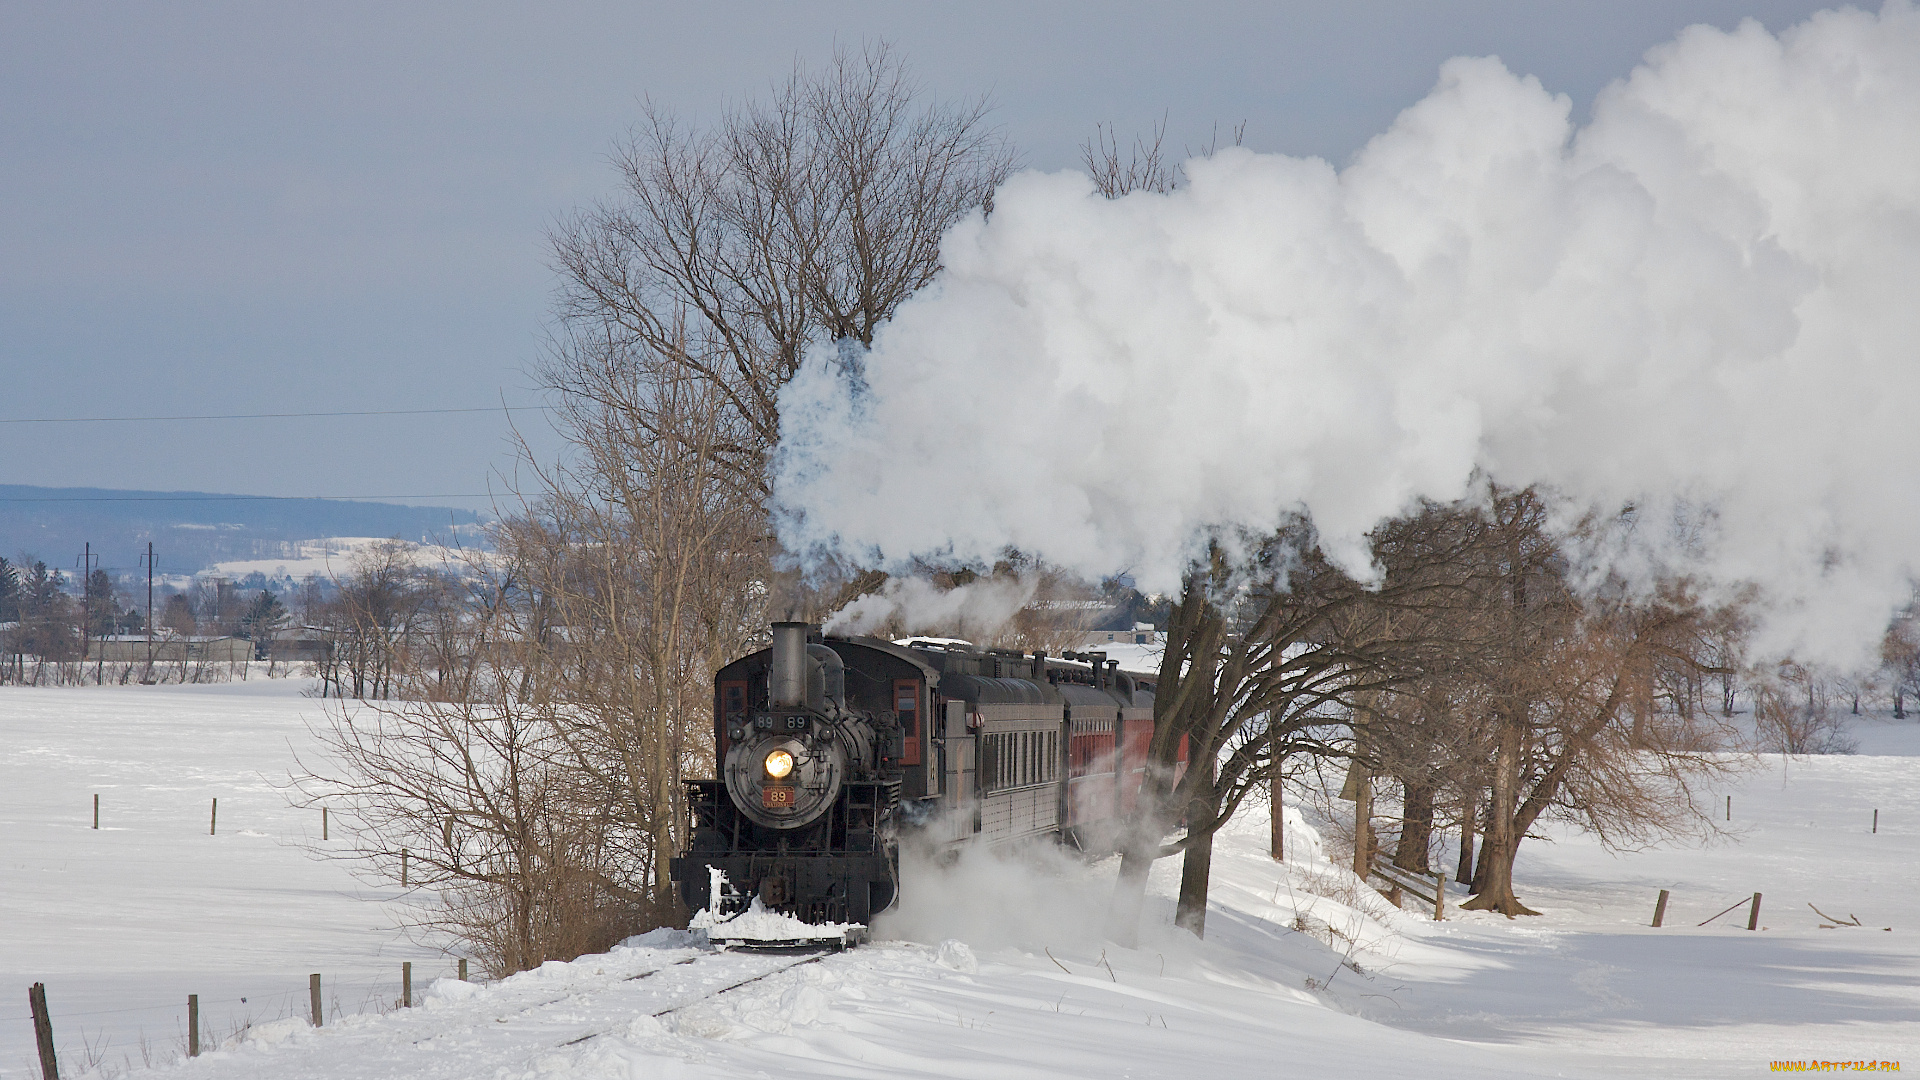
(708, 995)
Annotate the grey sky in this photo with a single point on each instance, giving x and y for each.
(239, 208)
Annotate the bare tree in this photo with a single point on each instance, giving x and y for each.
(1793, 712)
(376, 609)
(1900, 659)
(1266, 657)
(1147, 164)
(797, 221)
(645, 560)
(1558, 671)
(474, 803)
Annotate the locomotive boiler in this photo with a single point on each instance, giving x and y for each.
(832, 750)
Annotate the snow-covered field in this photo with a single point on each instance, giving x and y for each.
(996, 969)
(123, 923)
(332, 556)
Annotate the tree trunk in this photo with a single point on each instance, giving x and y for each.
(1463, 872)
(1496, 894)
(1362, 823)
(1196, 869)
(1140, 845)
(1493, 881)
(1416, 827)
(1277, 826)
(1129, 895)
(1642, 710)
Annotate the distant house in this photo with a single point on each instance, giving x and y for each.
(1140, 633)
(170, 648)
(299, 644)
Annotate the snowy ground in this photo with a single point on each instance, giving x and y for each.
(124, 922)
(332, 556)
(996, 970)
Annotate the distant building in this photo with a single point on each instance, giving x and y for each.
(299, 644)
(1139, 633)
(170, 648)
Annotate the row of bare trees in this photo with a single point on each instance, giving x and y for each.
(1494, 688)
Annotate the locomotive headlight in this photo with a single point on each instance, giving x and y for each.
(778, 764)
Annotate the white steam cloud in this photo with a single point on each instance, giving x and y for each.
(1028, 896)
(977, 609)
(1705, 297)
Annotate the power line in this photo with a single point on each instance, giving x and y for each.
(257, 416)
(226, 498)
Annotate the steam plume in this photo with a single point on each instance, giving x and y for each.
(977, 609)
(1704, 297)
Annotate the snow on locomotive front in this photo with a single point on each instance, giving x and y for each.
(801, 815)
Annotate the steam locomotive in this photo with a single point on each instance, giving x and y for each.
(832, 751)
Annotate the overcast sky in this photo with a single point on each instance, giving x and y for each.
(248, 208)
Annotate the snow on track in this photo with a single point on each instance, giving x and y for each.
(525, 1023)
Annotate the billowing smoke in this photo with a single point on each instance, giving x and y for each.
(977, 609)
(1705, 297)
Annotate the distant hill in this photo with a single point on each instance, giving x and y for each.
(191, 530)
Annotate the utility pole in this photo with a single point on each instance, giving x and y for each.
(148, 559)
(87, 559)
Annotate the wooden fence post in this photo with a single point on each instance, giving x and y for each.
(1876, 822)
(463, 969)
(213, 818)
(323, 823)
(406, 984)
(1729, 808)
(43, 1031)
(403, 868)
(1660, 909)
(1439, 895)
(193, 1025)
(96, 811)
(313, 995)
(1753, 917)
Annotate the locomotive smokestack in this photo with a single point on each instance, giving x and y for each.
(787, 679)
